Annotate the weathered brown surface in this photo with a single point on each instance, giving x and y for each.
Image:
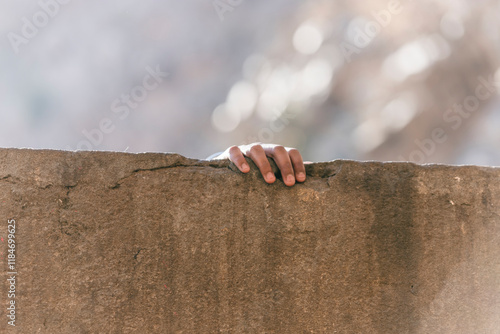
(158, 243)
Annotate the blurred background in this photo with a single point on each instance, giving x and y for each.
(367, 80)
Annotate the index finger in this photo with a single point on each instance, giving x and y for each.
(236, 156)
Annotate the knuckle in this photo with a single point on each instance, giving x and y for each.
(279, 149)
(234, 149)
(294, 153)
(256, 149)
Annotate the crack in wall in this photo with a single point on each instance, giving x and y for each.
(135, 171)
(320, 169)
(9, 178)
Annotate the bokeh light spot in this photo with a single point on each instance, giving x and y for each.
(307, 38)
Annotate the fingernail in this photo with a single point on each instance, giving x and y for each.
(245, 166)
(290, 179)
(301, 176)
(270, 176)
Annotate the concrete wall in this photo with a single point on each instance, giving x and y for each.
(158, 243)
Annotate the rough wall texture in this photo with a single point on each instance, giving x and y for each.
(158, 243)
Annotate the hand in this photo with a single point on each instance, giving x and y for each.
(288, 160)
